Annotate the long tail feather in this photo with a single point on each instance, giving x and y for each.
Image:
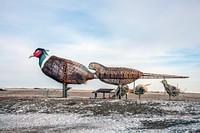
(149, 76)
(160, 76)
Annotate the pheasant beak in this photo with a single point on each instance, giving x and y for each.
(31, 56)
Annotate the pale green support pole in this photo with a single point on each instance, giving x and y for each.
(64, 92)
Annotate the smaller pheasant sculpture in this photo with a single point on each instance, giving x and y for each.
(140, 89)
(62, 70)
(170, 89)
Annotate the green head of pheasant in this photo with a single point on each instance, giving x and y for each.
(41, 54)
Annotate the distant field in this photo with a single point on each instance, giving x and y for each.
(23, 92)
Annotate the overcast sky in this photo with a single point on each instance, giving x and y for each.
(149, 35)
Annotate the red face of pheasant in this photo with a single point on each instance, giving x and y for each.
(38, 52)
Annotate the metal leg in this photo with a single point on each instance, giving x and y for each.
(120, 91)
(169, 97)
(104, 97)
(134, 89)
(95, 95)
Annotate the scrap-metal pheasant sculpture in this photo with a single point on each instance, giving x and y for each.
(170, 89)
(124, 90)
(121, 76)
(62, 70)
(140, 89)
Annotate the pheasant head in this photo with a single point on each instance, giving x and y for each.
(95, 66)
(41, 54)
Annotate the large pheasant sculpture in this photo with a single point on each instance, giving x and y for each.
(121, 76)
(170, 89)
(62, 70)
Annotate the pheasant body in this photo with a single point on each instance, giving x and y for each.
(140, 89)
(66, 71)
(115, 75)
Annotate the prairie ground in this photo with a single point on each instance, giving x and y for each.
(28, 110)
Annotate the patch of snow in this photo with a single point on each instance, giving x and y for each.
(183, 116)
(97, 124)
